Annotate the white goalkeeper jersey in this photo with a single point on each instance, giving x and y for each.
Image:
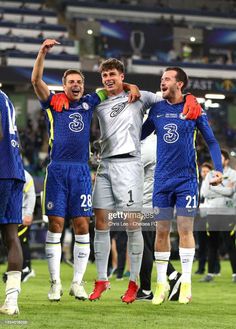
(121, 123)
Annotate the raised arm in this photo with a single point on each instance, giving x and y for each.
(40, 87)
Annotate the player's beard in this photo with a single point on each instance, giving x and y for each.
(169, 94)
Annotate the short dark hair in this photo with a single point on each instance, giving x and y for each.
(180, 75)
(207, 165)
(71, 71)
(110, 64)
(225, 154)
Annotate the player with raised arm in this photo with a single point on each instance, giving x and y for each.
(67, 193)
(12, 180)
(67, 188)
(176, 177)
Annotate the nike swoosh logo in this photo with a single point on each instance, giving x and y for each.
(191, 210)
(160, 115)
(87, 209)
(130, 204)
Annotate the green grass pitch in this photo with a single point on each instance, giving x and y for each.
(213, 305)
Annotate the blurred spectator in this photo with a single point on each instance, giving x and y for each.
(103, 47)
(43, 21)
(33, 141)
(186, 52)
(40, 35)
(63, 51)
(9, 33)
(172, 56)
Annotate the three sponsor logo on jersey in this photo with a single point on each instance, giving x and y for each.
(77, 124)
(117, 109)
(171, 136)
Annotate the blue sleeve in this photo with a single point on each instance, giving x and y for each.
(93, 99)
(46, 105)
(1, 125)
(1, 128)
(148, 126)
(209, 137)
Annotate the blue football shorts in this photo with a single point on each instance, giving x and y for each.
(178, 193)
(67, 190)
(11, 192)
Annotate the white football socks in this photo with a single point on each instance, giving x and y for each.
(186, 258)
(81, 256)
(162, 260)
(13, 287)
(53, 255)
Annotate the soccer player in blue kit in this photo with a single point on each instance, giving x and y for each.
(67, 187)
(176, 177)
(12, 180)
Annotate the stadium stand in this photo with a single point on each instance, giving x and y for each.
(23, 25)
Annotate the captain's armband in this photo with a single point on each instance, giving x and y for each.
(102, 94)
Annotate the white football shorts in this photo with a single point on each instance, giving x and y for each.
(119, 184)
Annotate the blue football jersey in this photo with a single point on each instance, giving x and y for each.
(11, 166)
(176, 152)
(69, 130)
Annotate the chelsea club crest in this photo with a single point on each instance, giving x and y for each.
(85, 106)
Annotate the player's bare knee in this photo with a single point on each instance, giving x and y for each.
(185, 236)
(81, 225)
(162, 240)
(12, 242)
(55, 224)
(55, 227)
